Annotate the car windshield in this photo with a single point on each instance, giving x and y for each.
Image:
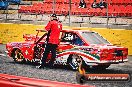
(94, 38)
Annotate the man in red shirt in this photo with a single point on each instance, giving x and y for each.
(53, 27)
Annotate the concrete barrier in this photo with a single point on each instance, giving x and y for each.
(19, 81)
(14, 33)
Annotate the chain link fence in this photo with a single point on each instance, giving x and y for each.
(69, 13)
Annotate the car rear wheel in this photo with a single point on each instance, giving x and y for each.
(73, 61)
(18, 56)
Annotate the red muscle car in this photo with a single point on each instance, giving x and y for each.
(75, 45)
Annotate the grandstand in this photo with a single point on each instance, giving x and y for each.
(116, 8)
(118, 12)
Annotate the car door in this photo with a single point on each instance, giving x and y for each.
(65, 41)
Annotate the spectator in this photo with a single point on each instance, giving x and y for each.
(95, 4)
(102, 4)
(82, 4)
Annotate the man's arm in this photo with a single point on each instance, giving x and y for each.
(48, 26)
(60, 26)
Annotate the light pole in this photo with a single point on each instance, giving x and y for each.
(6, 9)
(54, 1)
(69, 12)
(107, 13)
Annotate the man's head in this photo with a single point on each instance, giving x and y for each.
(53, 17)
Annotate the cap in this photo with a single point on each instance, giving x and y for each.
(53, 15)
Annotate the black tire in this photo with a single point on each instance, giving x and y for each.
(37, 55)
(73, 62)
(18, 56)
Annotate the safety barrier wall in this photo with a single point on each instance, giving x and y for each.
(14, 33)
(33, 82)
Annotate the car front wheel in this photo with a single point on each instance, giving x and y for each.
(18, 56)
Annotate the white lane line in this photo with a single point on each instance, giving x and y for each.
(2, 55)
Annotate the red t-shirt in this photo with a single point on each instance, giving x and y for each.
(55, 27)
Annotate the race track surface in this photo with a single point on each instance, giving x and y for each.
(8, 66)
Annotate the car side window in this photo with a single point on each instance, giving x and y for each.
(71, 38)
(77, 40)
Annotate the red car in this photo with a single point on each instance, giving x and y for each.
(75, 45)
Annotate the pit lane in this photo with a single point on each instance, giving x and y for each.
(8, 66)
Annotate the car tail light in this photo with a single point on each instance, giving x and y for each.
(121, 52)
(125, 52)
